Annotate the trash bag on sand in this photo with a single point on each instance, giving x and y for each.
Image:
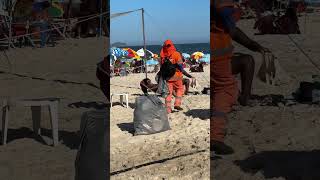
(92, 159)
(150, 116)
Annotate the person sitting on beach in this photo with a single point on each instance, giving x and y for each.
(197, 68)
(146, 84)
(288, 23)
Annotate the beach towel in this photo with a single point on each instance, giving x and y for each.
(150, 116)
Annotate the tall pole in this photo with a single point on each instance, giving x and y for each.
(101, 9)
(10, 23)
(144, 44)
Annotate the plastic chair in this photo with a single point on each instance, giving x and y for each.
(35, 105)
(122, 96)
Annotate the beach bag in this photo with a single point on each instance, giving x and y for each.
(167, 69)
(92, 161)
(206, 91)
(150, 116)
(308, 93)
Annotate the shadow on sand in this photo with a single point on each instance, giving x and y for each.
(88, 105)
(131, 105)
(202, 114)
(126, 127)
(70, 139)
(291, 165)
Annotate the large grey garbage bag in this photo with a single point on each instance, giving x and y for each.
(150, 116)
(92, 160)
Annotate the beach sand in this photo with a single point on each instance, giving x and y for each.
(167, 152)
(31, 75)
(274, 142)
(271, 142)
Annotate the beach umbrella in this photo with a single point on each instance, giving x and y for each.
(118, 52)
(185, 55)
(140, 52)
(197, 55)
(152, 62)
(56, 9)
(205, 59)
(132, 53)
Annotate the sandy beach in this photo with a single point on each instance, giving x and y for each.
(271, 142)
(61, 72)
(180, 153)
(276, 142)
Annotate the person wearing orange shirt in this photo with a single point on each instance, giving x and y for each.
(224, 65)
(175, 82)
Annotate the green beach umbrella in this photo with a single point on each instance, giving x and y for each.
(56, 9)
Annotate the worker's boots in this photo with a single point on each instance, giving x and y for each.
(220, 148)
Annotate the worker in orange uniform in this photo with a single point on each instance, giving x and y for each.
(175, 82)
(223, 67)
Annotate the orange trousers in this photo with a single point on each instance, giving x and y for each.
(223, 86)
(176, 86)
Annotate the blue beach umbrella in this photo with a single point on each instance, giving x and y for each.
(185, 55)
(152, 62)
(118, 52)
(205, 58)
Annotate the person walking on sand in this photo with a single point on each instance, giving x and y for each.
(175, 83)
(223, 67)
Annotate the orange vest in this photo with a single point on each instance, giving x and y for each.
(220, 40)
(176, 59)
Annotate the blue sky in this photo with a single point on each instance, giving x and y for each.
(183, 21)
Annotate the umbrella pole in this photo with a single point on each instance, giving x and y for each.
(100, 28)
(144, 44)
(10, 24)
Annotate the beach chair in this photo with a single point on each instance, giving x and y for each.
(123, 96)
(22, 30)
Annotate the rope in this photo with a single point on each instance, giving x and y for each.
(157, 162)
(53, 29)
(123, 13)
(164, 34)
(304, 53)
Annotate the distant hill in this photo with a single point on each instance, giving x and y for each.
(118, 44)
